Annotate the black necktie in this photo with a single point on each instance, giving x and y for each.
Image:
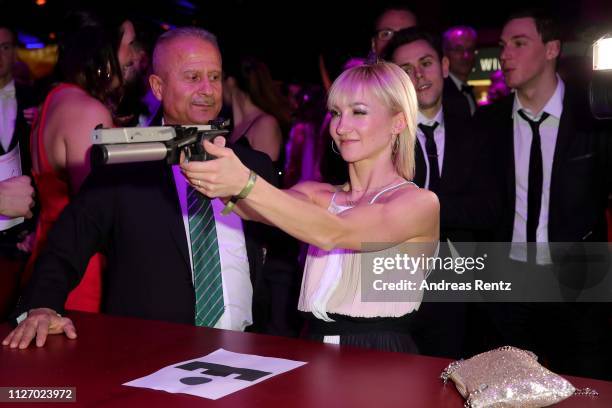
(534, 189)
(467, 89)
(432, 155)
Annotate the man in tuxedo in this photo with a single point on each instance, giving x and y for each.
(451, 160)
(459, 174)
(14, 128)
(16, 191)
(459, 46)
(170, 254)
(555, 176)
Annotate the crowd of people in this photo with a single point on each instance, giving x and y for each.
(269, 235)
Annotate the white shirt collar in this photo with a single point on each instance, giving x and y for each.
(422, 119)
(9, 87)
(554, 106)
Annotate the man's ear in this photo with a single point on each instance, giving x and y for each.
(157, 86)
(553, 49)
(445, 66)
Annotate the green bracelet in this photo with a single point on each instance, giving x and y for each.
(229, 207)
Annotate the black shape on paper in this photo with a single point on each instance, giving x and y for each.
(220, 370)
(195, 380)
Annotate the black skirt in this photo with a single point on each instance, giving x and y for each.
(379, 333)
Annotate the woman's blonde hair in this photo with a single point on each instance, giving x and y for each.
(393, 87)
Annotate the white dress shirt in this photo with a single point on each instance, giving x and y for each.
(237, 289)
(438, 139)
(522, 148)
(8, 114)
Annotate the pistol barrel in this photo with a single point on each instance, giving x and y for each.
(127, 153)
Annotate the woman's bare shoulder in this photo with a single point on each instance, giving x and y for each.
(413, 197)
(80, 108)
(315, 187)
(265, 126)
(265, 120)
(74, 98)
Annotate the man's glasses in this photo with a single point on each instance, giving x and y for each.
(385, 34)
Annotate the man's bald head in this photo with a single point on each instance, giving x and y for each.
(164, 43)
(187, 76)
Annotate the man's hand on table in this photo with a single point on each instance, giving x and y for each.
(39, 323)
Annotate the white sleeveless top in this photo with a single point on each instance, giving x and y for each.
(332, 280)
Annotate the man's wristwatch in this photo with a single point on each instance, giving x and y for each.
(24, 315)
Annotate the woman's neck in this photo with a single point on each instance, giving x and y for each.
(366, 177)
(243, 109)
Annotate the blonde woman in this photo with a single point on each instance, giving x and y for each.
(373, 110)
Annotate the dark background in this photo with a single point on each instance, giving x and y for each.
(290, 35)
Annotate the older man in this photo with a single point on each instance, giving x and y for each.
(459, 46)
(167, 259)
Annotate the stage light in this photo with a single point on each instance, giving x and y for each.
(602, 54)
(600, 95)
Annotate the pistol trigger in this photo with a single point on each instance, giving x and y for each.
(187, 152)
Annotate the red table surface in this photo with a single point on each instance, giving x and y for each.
(111, 351)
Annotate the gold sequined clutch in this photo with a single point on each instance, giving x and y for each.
(507, 377)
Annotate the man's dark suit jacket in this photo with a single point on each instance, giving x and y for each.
(454, 100)
(131, 213)
(468, 210)
(469, 205)
(579, 187)
(581, 172)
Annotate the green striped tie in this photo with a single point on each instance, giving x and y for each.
(205, 257)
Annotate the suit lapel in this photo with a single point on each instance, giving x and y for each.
(419, 165)
(21, 132)
(565, 135)
(453, 146)
(175, 221)
(505, 125)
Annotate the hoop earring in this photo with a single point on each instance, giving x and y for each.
(333, 147)
(395, 147)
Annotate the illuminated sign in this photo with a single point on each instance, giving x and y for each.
(487, 62)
